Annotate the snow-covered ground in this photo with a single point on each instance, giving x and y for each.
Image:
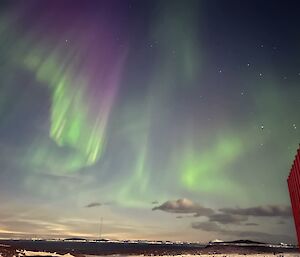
(212, 255)
(248, 255)
(31, 253)
(25, 253)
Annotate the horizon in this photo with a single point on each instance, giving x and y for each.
(170, 120)
(105, 239)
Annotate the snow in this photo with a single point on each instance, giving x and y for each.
(31, 253)
(2, 245)
(216, 241)
(245, 255)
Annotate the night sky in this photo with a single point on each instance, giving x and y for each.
(171, 120)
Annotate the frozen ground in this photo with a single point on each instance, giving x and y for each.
(248, 255)
(23, 253)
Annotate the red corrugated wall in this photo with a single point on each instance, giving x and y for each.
(294, 190)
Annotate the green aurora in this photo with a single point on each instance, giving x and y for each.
(111, 107)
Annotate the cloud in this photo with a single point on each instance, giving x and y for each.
(251, 224)
(98, 204)
(94, 204)
(280, 222)
(254, 235)
(260, 211)
(227, 218)
(218, 221)
(184, 206)
(155, 202)
(207, 226)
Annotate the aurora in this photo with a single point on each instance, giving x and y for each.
(159, 116)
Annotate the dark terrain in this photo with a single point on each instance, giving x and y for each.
(78, 248)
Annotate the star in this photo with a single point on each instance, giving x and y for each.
(262, 127)
(260, 74)
(248, 64)
(294, 126)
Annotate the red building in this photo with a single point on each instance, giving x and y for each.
(294, 189)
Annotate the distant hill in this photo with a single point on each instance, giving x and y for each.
(74, 239)
(102, 240)
(237, 242)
